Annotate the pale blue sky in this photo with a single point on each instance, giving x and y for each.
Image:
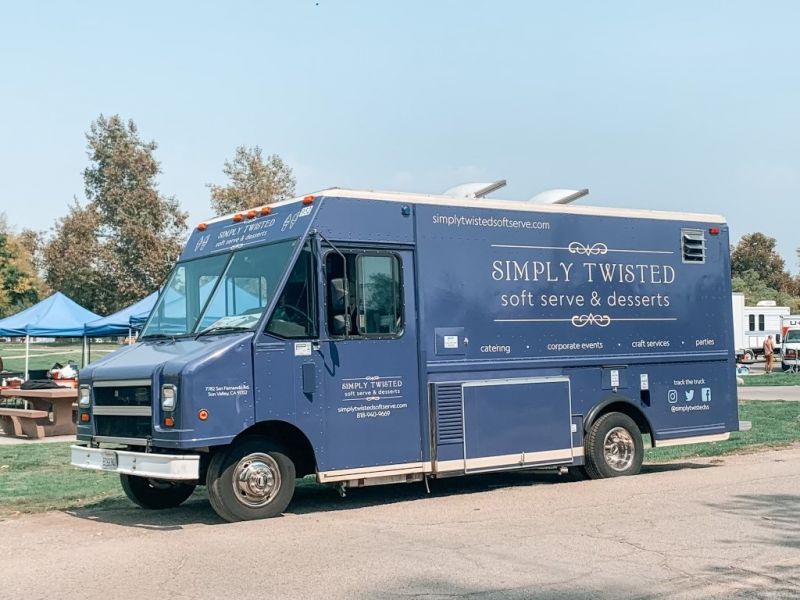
(672, 105)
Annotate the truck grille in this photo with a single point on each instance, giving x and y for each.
(123, 411)
(119, 426)
(123, 396)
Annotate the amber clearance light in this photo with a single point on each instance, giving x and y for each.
(308, 200)
(202, 414)
(265, 210)
(202, 227)
(251, 214)
(237, 218)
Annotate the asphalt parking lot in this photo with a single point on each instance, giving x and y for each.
(712, 528)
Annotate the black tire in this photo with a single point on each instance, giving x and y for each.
(247, 500)
(626, 454)
(155, 494)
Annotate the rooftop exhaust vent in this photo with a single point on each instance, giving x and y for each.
(558, 196)
(474, 190)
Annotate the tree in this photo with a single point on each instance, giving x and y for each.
(20, 285)
(756, 253)
(754, 289)
(254, 181)
(120, 245)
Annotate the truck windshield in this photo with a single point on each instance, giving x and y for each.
(792, 336)
(219, 293)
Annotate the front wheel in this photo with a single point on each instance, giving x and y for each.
(613, 447)
(253, 479)
(155, 494)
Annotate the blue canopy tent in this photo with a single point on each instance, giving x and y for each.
(121, 322)
(55, 316)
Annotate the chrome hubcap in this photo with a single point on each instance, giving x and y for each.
(256, 480)
(618, 449)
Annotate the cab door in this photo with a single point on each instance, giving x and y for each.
(369, 361)
(287, 363)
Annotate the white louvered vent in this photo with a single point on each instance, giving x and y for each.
(693, 245)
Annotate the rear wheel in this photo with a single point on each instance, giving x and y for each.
(155, 494)
(613, 447)
(253, 479)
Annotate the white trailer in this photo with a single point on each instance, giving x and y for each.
(739, 340)
(762, 320)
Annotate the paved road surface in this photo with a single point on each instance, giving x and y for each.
(714, 528)
(769, 392)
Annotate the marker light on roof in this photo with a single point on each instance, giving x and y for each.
(251, 214)
(237, 218)
(265, 210)
(308, 200)
(202, 227)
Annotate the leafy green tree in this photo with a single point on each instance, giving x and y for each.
(254, 181)
(20, 285)
(754, 289)
(756, 253)
(120, 245)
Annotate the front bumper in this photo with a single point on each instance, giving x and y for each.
(141, 464)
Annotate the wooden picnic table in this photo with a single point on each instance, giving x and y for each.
(36, 422)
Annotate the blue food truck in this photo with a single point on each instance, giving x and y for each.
(369, 337)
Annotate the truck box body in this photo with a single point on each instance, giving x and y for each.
(790, 338)
(473, 335)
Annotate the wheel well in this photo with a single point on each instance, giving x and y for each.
(625, 407)
(292, 439)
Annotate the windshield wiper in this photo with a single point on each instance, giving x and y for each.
(158, 336)
(218, 328)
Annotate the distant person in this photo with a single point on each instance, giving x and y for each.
(769, 354)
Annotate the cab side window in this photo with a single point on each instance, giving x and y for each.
(364, 294)
(294, 314)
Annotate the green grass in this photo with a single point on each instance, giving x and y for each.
(775, 424)
(44, 355)
(776, 378)
(38, 477)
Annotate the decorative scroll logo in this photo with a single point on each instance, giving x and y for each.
(579, 248)
(591, 319)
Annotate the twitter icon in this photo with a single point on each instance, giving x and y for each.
(689, 395)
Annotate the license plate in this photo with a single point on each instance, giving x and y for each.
(109, 459)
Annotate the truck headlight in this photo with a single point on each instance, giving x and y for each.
(169, 397)
(84, 395)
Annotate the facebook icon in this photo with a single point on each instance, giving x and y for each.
(705, 394)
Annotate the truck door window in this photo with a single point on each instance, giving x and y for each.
(294, 314)
(364, 300)
(378, 295)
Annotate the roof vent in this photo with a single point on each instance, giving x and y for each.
(558, 196)
(474, 190)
